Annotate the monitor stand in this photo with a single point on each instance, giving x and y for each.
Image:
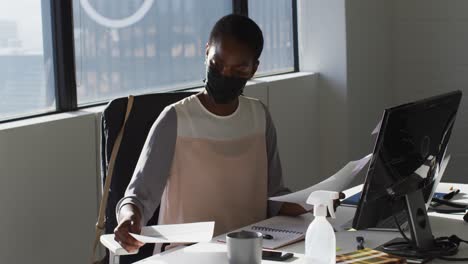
(420, 229)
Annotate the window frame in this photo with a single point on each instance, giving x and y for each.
(64, 64)
(63, 58)
(64, 55)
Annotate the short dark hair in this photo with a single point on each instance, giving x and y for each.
(242, 29)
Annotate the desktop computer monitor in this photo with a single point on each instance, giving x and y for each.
(410, 147)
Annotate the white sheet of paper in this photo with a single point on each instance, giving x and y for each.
(377, 128)
(181, 233)
(439, 175)
(336, 183)
(443, 166)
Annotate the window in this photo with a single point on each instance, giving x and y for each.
(160, 48)
(26, 65)
(56, 56)
(275, 18)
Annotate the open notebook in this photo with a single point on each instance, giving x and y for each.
(285, 230)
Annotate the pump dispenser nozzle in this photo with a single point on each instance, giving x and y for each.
(323, 200)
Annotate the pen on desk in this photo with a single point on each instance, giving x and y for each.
(267, 236)
(451, 194)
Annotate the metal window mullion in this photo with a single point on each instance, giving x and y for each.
(295, 36)
(240, 7)
(63, 55)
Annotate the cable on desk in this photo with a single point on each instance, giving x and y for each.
(444, 246)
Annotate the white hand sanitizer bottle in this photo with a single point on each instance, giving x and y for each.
(320, 241)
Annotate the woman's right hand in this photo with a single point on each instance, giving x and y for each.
(129, 222)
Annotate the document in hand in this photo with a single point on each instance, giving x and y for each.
(181, 233)
(336, 183)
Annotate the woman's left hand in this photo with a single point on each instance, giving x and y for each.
(292, 209)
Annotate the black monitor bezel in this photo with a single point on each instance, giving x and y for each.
(359, 221)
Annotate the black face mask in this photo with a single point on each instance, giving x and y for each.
(223, 89)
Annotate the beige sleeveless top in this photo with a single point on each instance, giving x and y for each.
(202, 167)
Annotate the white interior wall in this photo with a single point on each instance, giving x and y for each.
(48, 191)
(257, 89)
(347, 43)
(293, 104)
(322, 49)
(371, 54)
(369, 71)
(430, 47)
